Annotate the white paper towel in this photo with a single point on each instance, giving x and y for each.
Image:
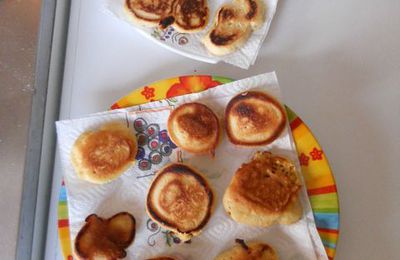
(128, 192)
(190, 45)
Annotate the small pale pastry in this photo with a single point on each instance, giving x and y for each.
(180, 200)
(264, 191)
(254, 118)
(250, 251)
(194, 128)
(102, 155)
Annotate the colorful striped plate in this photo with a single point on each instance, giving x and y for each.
(318, 176)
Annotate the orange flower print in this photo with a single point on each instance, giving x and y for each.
(316, 154)
(304, 159)
(115, 106)
(148, 92)
(191, 84)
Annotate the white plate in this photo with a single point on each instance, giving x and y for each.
(190, 45)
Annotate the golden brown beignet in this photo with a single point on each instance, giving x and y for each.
(264, 191)
(102, 155)
(105, 238)
(194, 128)
(233, 26)
(254, 118)
(186, 16)
(181, 200)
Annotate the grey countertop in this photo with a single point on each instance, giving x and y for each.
(19, 21)
(338, 64)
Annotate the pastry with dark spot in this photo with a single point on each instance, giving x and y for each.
(186, 16)
(180, 200)
(194, 127)
(254, 118)
(233, 25)
(105, 239)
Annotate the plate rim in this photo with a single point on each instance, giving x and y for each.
(329, 237)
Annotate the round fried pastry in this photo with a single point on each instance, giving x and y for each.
(148, 12)
(264, 191)
(254, 118)
(190, 15)
(181, 200)
(233, 25)
(229, 32)
(186, 16)
(102, 155)
(194, 128)
(250, 251)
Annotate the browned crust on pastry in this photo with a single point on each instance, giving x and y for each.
(202, 125)
(247, 110)
(163, 8)
(108, 140)
(187, 10)
(104, 237)
(264, 191)
(167, 21)
(233, 25)
(178, 168)
(184, 15)
(259, 183)
(103, 154)
(220, 38)
(253, 8)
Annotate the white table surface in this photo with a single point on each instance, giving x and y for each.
(338, 64)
